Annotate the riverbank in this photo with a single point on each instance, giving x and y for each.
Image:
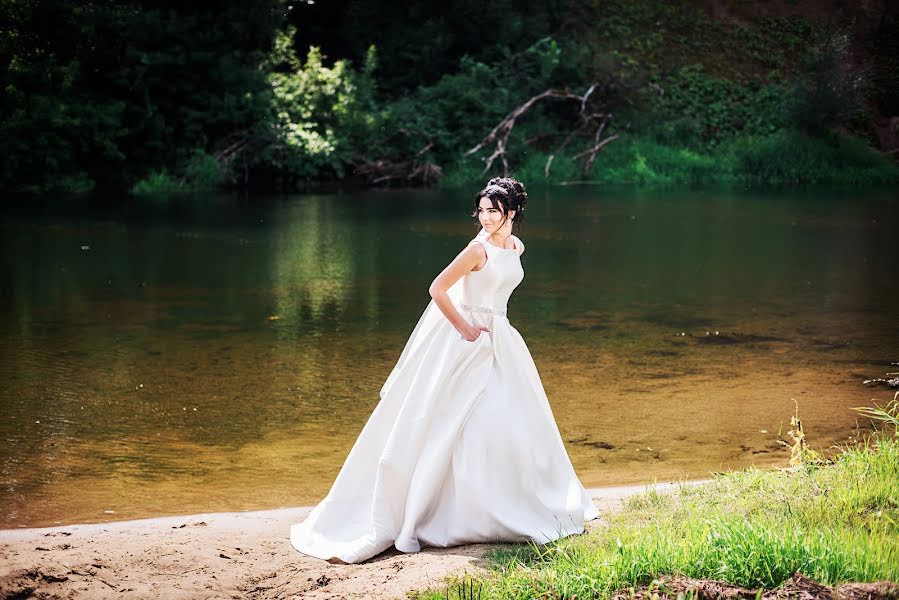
(807, 530)
(824, 528)
(225, 555)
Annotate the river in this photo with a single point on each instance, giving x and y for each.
(221, 353)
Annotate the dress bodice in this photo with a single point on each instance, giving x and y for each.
(492, 285)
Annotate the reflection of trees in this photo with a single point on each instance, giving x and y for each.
(315, 262)
(325, 291)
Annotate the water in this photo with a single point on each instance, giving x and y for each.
(220, 353)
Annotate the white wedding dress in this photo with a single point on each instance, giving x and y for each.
(463, 446)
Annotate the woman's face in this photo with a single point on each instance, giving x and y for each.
(491, 218)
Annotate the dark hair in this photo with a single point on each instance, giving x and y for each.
(505, 193)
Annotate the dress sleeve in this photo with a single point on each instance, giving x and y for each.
(520, 245)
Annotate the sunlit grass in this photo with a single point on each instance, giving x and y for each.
(753, 528)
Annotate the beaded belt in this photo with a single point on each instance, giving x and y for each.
(484, 309)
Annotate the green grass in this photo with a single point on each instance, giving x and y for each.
(201, 172)
(790, 157)
(786, 157)
(834, 523)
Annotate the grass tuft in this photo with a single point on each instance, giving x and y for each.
(832, 522)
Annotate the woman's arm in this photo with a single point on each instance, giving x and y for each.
(466, 261)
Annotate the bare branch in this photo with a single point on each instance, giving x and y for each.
(593, 151)
(425, 149)
(560, 148)
(586, 95)
(598, 143)
(499, 135)
(408, 172)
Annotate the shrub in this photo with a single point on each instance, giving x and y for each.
(834, 158)
(156, 183)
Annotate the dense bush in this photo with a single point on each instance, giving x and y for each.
(101, 94)
(200, 172)
(321, 117)
(790, 156)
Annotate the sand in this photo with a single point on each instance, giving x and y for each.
(223, 555)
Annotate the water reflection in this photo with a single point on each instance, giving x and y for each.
(314, 262)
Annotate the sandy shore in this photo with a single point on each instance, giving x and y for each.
(222, 555)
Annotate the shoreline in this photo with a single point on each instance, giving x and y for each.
(227, 555)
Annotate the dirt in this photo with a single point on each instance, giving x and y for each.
(798, 587)
(222, 555)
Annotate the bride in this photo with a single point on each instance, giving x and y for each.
(463, 446)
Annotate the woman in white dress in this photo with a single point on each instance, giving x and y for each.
(463, 446)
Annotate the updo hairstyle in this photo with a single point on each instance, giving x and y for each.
(505, 193)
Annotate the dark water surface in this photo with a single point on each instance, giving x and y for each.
(223, 353)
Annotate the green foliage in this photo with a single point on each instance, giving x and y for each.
(757, 160)
(457, 111)
(145, 94)
(53, 129)
(465, 174)
(157, 184)
(697, 124)
(420, 41)
(888, 414)
(103, 93)
(644, 161)
(562, 168)
(789, 157)
(700, 111)
(748, 159)
(650, 40)
(322, 116)
(201, 172)
(750, 528)
(453, 114)
(829, 92)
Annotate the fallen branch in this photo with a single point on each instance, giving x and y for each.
(407, 172)
(561, 147)
(891, 382)
(499, 135)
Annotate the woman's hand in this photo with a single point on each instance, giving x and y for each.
(472, 256)
(471, 332)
